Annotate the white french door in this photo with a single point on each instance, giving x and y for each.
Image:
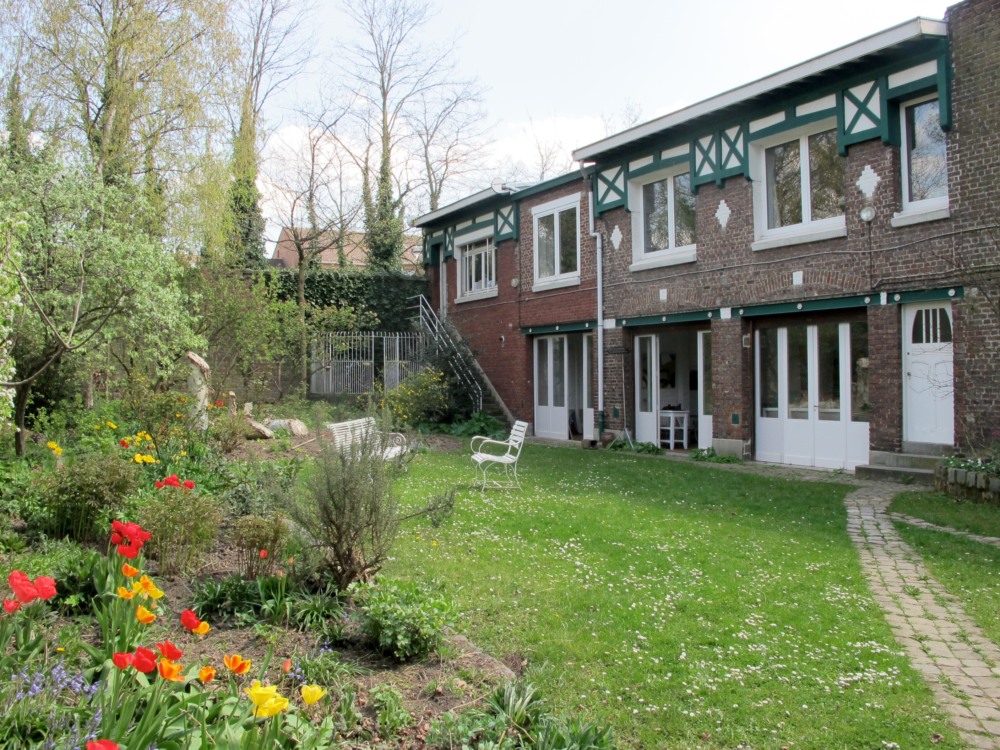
(647, 389)
(705, 403)
(589, 430)
(929, 393)
(551, 412)
(812, 395)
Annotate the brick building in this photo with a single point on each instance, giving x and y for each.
(798, 270)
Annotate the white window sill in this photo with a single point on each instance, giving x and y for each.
(473, 296)
(916, 215)
(800, 237)
(686, 255)
(556, 283)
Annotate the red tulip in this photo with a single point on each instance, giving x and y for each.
(190, 620)
(159, 484)
(188, 484)
(46, 587)
(123, 661)
(117, 538)
(287, 666)
(102, 745)
(118, 526)
(10, 607)
(169, 651)
(263, 554)
(144, 660)
(128, 552)
(123, 443)
(23, 590)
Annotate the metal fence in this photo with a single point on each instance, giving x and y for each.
(350, 362)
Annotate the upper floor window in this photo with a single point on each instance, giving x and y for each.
(557, 241)
(925, 162)
(668, 214)
(798, 184)
(805, 180)
(479, 267)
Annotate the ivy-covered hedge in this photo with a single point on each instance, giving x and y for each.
(386, 294)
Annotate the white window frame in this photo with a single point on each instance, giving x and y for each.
(547, 209)
(915, 212)
(673, 255)
(462, 242)
(808, 230)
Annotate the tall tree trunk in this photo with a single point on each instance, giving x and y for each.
(304, 349)
(21, 394)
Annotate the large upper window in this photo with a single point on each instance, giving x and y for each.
(479, 267)
(557, 240)
(668, 214)
(925, 163)
(805, 180)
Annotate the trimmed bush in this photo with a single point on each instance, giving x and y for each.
(403, 618)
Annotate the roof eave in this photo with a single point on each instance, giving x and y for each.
(909, 30)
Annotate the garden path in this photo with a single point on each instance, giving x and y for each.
(921, 523)
(961, 665)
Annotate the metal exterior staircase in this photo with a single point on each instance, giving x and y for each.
(441, 337)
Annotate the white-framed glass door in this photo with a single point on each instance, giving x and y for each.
(812, 394)
(929, 391)
(551, 412)
(647, 389)
(705, 402)
(588, 387)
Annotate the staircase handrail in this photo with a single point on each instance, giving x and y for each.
(429, 321)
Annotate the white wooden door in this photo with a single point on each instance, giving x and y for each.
(928, 394)
(647, 389)
(589, 430)
(443, 284)
(551, 412)
(705, 403)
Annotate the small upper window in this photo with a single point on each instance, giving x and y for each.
(557, 242)
(479, 267)
(925, 162)
(931, 326)
(668, 214)
(805, 180)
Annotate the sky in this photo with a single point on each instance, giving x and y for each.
(560, 68)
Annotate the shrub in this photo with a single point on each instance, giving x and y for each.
(81, 578)
(228, 429)
(259, 542)
(483, 424)
(229, 598)
(405, 619)
(392, 717)
(349, 507)
(651, 449)
(422, 397)
(184, 524)
(80, 501)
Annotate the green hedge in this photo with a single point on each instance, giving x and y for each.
(384, 293)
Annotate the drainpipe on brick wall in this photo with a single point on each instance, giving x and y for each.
(600, 315)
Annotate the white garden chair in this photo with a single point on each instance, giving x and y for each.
(485, 461)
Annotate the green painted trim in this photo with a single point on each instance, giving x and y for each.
(554, 182)
(587, 325)
(475, 227)
(791, 122)
(657, 165)
(652, 320)
(913, 88)
(843, 303)
(944, 77)
(517, 221)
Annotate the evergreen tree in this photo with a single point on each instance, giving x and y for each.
(246, 223)
(384, 228)
(17, 124)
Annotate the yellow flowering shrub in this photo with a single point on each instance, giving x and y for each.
(422, 397)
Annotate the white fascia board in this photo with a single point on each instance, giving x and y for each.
(451, 208)
(913, 29)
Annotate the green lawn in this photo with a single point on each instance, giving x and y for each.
(685, 605)
(938, 508)
(967, 569)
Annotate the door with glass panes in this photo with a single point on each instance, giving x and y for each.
(704, 389)
(588, 387)
(929, 394)
(647, 389)
(551, 411)
(812, 394)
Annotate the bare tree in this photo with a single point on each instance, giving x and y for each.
(314, 203)
(629, 116)
(451, 133)
(551, 158)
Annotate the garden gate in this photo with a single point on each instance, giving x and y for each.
(350, 362)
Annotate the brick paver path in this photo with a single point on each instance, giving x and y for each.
(995, 541)
(959, 663)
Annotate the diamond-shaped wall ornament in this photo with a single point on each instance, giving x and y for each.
(868, 181)
(616, 237)
(722, 214)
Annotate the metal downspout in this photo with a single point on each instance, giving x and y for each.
(600, 313)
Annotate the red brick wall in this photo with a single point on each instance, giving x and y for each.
(885, 377)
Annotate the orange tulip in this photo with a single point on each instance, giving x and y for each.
(206, 674)
(236, 664)
(129, 571)
(124, 593)
(202, 628)
(144, 616)
(170, 670)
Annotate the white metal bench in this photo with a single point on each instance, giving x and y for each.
(346, 434)
(485, 461)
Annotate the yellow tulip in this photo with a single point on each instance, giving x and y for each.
(144, 616)
(57, 450)
(312, 693)
(51, 445)
(137, 458)
(124, 593)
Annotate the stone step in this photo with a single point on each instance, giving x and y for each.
(903, 460)
(928, 449)
(897, 474)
